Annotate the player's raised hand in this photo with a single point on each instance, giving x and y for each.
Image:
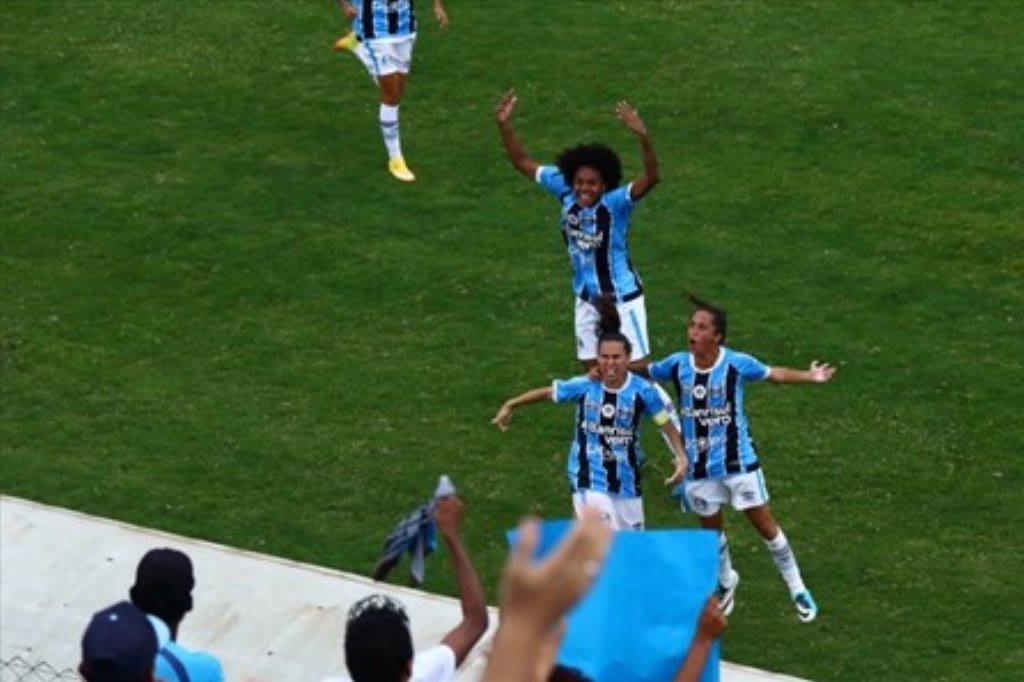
(821, 371)
(349, 10)
(440, 15)
(503, 112)
(503, 417)
(628, 115)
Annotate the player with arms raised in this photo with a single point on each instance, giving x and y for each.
(595, 222)
(724, 467)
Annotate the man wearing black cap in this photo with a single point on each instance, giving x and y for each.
(119, 645)
(163, 589)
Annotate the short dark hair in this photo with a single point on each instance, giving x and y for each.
(609, 323)
(561, 673)
(601, 158)
(718, 316)
(163, 585)
(378, 645)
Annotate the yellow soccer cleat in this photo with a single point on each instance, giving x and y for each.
(400, 170)
(346, 42)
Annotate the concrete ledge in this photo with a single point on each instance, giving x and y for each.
(267, 619)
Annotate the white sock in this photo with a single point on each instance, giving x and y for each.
(389, 129)
(724, 561)
(785, 560)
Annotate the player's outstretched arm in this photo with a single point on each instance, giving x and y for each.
(641, 367)
(462, 638)
(709, 627)
(348, 9)
(817, 373)
(536, 395)
(440, 15)
(516, 154)
(650, 176)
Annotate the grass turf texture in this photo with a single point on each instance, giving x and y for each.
(222, 318)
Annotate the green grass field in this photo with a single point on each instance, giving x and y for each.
(221, 317)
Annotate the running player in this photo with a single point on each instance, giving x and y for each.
(605, 459)
(383, 35)
(595, 223)
(724, 468)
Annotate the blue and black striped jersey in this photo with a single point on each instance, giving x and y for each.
(383, 19)
(715, 432)
(605, 455)
(597, 238)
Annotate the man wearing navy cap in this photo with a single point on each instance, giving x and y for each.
(119, 645)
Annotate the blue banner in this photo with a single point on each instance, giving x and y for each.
(637, 621)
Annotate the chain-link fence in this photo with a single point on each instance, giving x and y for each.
(20, 669)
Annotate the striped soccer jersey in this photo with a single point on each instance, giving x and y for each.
(715, 432)
(597, 238)
(384, 19)
(605, 455)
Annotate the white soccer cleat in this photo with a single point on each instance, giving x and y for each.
(726, 595)
(806, 609)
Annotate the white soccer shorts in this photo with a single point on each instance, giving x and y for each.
(385, 57)
(618, 513)
(743, 491)
(633, 318)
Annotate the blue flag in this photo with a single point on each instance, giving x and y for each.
(637, 621)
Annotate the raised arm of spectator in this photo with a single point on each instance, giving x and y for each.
(536, 395)
(516, 154)
(650, 176)
(710, 625)
(818, 373)
(535, 597)
(448, 516)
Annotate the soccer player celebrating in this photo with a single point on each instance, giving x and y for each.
(724, 468)
(595, 223)
(382, 38)
(605, 459)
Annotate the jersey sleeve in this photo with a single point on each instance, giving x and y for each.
(564, 391)
(750, 368)
(552, 180)
(664, 369)
(654, 405)
(619, 199)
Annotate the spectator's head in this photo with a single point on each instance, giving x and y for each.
(378, 645)
(561, 673)
(163, 585)
(118, 646)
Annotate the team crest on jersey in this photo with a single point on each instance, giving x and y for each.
(717, 392)
(699, 392)
(608, 410)
(573, 219)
